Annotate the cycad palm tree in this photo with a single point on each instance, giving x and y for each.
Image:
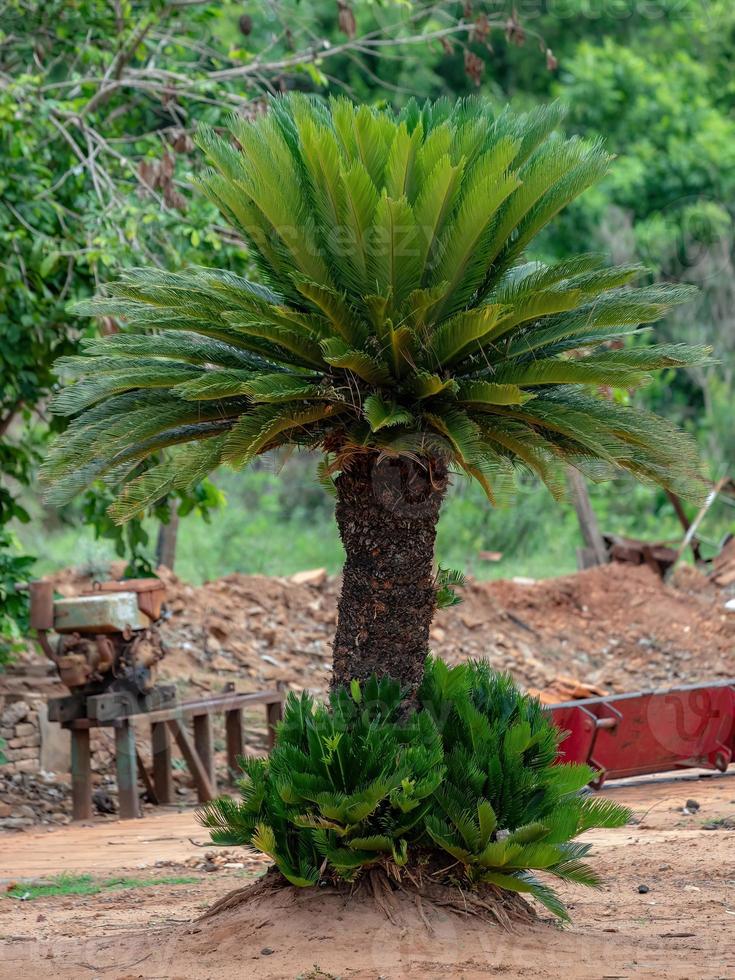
(395, 326)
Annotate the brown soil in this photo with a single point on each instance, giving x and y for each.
(616, 627)
(682, 927)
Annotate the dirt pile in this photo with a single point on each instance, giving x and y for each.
(612, 628)
(723, 566)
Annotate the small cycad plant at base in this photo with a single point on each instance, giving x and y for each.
(466, 789)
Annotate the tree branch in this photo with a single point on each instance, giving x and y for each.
(6, 422)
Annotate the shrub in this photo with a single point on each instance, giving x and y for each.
(472, 775)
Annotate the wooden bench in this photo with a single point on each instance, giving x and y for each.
(166, 724)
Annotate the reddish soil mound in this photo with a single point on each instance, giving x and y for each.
(287, 933)
(616, 627)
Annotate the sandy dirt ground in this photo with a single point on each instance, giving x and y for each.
(682, 926)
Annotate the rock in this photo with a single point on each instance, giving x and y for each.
(267, 951)
(22, 754)
(313, 576)
(26, 742)
(692, 806)
(14, 713)
(24, 729)
(26, 764)
(219, 631)
(16, 823)
(103, 802)
(643, 889)
(473, 620)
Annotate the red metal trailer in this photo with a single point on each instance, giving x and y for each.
(650, 731)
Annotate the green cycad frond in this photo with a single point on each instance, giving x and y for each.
(394, 312)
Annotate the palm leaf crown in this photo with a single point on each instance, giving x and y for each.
(394, 312)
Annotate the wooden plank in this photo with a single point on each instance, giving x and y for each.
(234, 739)
(67, 709)
(81, 775)
(274, 713)
(204, 744)
(127, 776)
(146, 779)
(180, 712)
(162, 767)
(221, 703)
(205, 790)
(693, 527)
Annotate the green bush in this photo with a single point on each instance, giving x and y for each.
(470, 775)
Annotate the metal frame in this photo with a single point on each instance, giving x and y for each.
(650, 731)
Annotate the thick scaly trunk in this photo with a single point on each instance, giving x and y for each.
(387, 513)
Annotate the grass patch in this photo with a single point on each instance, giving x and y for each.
(66, 884)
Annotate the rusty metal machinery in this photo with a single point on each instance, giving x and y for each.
(623, 735)
(106, 647)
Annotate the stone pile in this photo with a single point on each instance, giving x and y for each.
(27, 799)
(21, 737)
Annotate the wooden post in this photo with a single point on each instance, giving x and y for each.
(162, 769)
(676, 503)
(127, 770)
(205, 789)
(586, 517)
(274, 713)
(42, 605)
(145, 778)
(81, 774)
(233, 734)
(203, 743)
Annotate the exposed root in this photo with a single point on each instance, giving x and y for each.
(270, 882)
(392, 896)
(428, 926)
(491, 904)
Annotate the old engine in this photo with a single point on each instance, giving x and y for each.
(107, 646)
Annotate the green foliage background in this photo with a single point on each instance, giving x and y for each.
(655, 83)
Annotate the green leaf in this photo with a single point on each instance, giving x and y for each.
(336, 353)
(449, 340)
(479, 393)
(381, 414)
